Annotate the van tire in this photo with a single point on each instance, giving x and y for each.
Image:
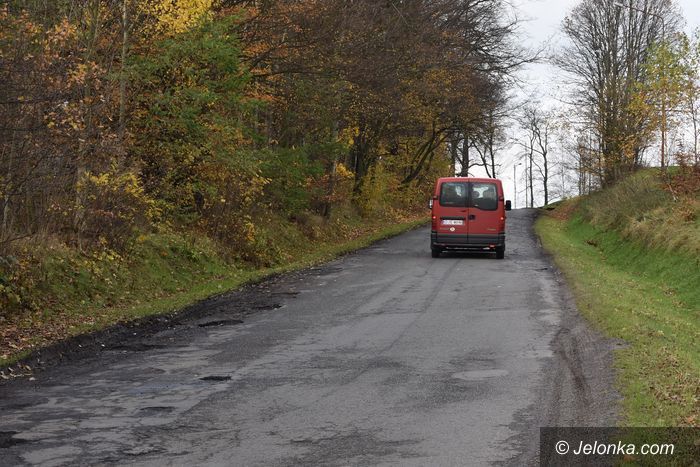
(435, 252)
(500, 253)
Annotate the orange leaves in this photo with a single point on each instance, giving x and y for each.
(260, 93)
(61, 34)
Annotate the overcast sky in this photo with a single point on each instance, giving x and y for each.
(541, 25)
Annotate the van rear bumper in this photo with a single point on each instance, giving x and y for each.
(467, 242)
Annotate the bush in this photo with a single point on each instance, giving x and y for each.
(292, 179)
(377, 192)
(686, 180)
(112, 206)
(227, 197)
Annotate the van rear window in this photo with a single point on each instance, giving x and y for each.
(484, 196)
(454, 194)
(480, 195)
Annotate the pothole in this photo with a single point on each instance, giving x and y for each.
(478, 375)
(7, 439)
(137, 347)
(220, 322)
(288, 293)
(216, 378)
(267, 307)
(141, 450)
(322, 271)
(158, 409)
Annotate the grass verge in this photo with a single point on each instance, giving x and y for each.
(649, 298)
(165, 275)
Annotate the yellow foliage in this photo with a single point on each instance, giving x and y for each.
(348, 135)
(113, 206)
(343, 173)
(177, 16)
(377, 190)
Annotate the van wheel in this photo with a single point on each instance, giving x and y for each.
(500, 253)
(435, 252)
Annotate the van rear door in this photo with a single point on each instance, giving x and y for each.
(485, 218)
(452, 211)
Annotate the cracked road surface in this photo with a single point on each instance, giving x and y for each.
(382, 357)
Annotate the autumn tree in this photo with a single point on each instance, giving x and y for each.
(539, 126)
(201, 112)
(404, 74)
(608, 47)
(57, 122)
(669, 96)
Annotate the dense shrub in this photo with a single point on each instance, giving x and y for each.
(293, 179)
(112, 207)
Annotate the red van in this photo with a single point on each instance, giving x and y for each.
(468, 214)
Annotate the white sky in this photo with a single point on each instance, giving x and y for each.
(542, 26)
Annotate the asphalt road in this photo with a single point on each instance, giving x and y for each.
(383, 357)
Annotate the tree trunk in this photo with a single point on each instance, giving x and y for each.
(532, 189)
(545, 178)
(6, 192)
(464, 169)
(526, 190)
(454, 150)
(694, 118)
(122, 75)
(327, 206)
(85, 146)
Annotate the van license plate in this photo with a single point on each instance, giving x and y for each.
(452, 222)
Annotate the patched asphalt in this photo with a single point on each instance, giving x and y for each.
(383, 357)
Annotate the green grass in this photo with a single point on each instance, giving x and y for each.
(639, 208)
(650, 298)
(75, 294)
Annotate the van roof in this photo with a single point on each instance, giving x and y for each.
(468, 179)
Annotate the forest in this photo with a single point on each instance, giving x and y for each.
(236, 130)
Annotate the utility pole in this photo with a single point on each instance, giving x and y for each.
(515, 185)
(532, 185)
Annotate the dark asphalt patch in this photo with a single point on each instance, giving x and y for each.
(7, 439)
(158, 409)
(137, 347)
(220, 322)
(268, 306)
(216, 378)
(288, 294)
(322, 271)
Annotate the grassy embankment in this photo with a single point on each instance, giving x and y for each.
(632, 255)
(75, 293)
